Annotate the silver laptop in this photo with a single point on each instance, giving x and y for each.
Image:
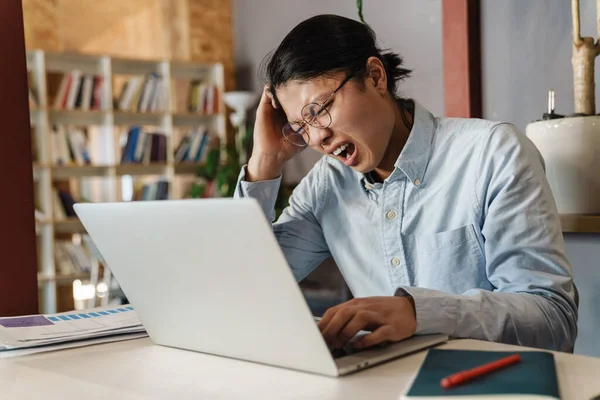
(209, 276)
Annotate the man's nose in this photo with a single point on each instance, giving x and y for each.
(320, 136)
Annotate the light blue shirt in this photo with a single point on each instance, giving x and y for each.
(466, 224)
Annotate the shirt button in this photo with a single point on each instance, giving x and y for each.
(368, 187)
(391, 214)
(396, 261)
(417, 182)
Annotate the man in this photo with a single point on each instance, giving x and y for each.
(437, 225)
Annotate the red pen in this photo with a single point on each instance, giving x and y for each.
(466, 375)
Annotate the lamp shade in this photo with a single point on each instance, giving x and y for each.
(240, 101)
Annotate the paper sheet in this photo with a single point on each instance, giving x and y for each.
(38, 330)
(61, 346)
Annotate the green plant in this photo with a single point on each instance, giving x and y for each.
(220, 171)
(359, 5)
(206, 173)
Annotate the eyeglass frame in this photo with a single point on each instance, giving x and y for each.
(322, 106)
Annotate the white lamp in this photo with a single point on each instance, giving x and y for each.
(240, 102)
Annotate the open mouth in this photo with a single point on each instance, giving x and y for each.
(346, 153)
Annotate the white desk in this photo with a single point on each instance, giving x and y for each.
(138, 369)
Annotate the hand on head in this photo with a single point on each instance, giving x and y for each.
(271, 151)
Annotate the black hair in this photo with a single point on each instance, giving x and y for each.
(330, 43)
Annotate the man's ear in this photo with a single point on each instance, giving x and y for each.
(376, 73)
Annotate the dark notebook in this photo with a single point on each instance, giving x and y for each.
(533, 377)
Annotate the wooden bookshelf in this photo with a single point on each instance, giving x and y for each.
(132, 118)
(77, 117)
(79, 171)
(183, 119)
(573, 223)
(143, 169)
(186, 168)
(82, 171)
(68, 225)
(106, 178)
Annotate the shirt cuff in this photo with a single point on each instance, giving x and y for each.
(264, 191)
(436, 312)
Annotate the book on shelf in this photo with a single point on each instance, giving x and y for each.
(69, 145)
(71, 259)
(144, 147)
(195, 145)
(33, 88)
(143, 94)
(79, 91)
(158, 190)
(203, 97)
(62, 204)
(36, 143)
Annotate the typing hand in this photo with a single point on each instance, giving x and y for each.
(389, 319)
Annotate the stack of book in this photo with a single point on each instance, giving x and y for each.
(69, 145)
(80, 91)
(194, 146)
(142, 147)
(203, 98)
(143, 94)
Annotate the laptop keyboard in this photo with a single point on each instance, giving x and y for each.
(343, 352)
(347, 349)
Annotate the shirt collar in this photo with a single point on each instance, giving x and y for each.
(414, 157)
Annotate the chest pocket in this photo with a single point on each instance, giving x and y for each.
(450, 261)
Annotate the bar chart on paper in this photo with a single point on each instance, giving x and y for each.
(90, 320)
(36, 333)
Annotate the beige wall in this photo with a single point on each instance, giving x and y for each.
(196, 30)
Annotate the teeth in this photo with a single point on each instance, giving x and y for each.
(337, 151)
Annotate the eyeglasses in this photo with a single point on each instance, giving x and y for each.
(313, 114)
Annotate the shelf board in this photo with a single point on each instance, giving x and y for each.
(190, 70)
(74, 171)
(142, 169)
(60, 279)
(67, 61)
(42, 278)
(127, 118)
(187, 168)
(574, 223)
(69, 225)
(193, 119)
(133, 118)
(38, 169)
(126, 66)
(77, 117)
(41, 226)
(68, 279)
